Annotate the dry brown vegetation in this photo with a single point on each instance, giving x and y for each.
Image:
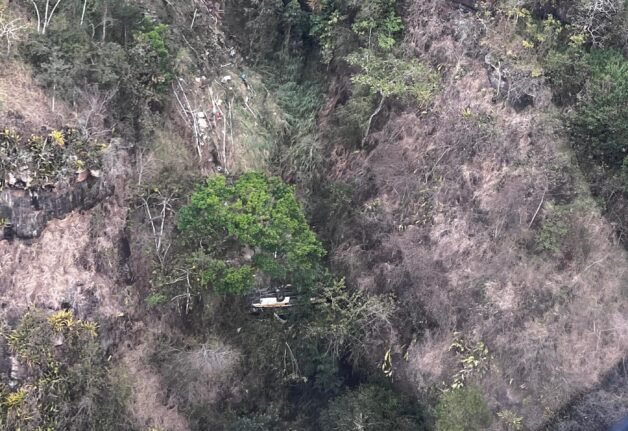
(471, 213)
(460, 201)
(21, 96)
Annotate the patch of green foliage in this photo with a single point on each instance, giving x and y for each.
(390, 76)
(67, 386)
(599, 124)
(462, 409)
(589, 75)
(130, 57)
(152, 51)
(342, 26)
(155, 299)
(362, 37)
(568, 71)
(541, 34)
(347, 319)
(254, 212)
(591, 78)
(555, 227)
(247, 230)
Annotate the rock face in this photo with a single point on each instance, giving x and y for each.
(25, 214)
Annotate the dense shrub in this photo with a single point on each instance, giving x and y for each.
(462, 409)
(347, 320)
(389, 76)
(253, 214)
(599, 125)
(66, 386)
(567, 71)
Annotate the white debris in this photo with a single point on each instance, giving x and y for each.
(82, 175)
(201, 120)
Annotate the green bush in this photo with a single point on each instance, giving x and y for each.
(255, 215)
(462, 409)
(132, 60)
(390, 76)
(554, 229)
(67, 386)
(599, 124)
(342, 26)
(348, 319)
(151, 58)
(568, 72)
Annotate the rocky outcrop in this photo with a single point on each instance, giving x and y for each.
(25, 214)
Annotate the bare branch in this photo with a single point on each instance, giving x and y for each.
(368, 125)
(10, 31)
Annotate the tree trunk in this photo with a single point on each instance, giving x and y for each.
(83, 12)
(38, 16)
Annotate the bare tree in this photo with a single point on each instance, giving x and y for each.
(159, 211)
(10, 31)
(49, 9)
(91, 111)
(595, 18)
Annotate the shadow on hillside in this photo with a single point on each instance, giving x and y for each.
(597, 409)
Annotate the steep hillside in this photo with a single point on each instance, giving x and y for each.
(313, 215)
(475, 216)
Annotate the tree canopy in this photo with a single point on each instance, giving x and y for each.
(250, 228)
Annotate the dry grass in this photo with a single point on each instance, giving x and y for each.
(203, 374)
(20, 94)
(459, 189)
(149, 404)
(60, 266)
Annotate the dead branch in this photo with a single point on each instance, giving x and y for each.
(537, 209)
(158, 224)
(373, 115)
(187, 108)
(91, 112)
(10, 31)
(188, 288)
